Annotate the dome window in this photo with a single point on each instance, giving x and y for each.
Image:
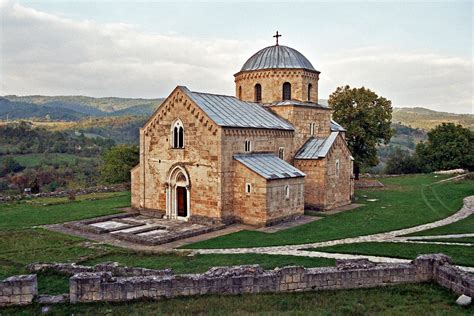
(258, 93)
(286, 91)
(310, 87)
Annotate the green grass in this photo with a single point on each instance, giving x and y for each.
(44, 211)
(464, 226)
(405, 202)
(461, 255)
(34, 160)
(202, 263)
(22, 243)
(414, 299)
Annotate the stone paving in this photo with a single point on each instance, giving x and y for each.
(141, 229)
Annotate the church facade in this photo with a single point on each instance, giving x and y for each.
(258, 158)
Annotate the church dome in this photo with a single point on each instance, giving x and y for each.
(277, 56)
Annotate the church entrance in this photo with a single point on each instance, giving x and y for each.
(177, 194)
(182, 201)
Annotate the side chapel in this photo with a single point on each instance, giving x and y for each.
(258, 158)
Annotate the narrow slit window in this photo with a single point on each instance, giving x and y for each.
(281, 153)
(287, 192)
(286, 91)
(310, 88)
(258, 93)
(248, 146)
(248, 188)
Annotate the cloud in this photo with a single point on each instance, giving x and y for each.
(47, 54)
(442, 83)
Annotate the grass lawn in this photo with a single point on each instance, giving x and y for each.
(22, 242)
(404, 202)
(464, 226)
(41, 211)
(461, 255)
(415, 299)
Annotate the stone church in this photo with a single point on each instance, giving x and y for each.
(258, 158)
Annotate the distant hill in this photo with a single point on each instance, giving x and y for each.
(427, 119)
(73, 108)
(107, 104)
(21, 110)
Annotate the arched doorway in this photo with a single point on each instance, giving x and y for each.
(178, 194)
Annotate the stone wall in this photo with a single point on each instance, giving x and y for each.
(199, 159)
(267, 203)
(301, 117)
(348, 274)
(339, 187)
(279, 206)
(18, 290)
(233, 142)
(272, 81)
(315, 182)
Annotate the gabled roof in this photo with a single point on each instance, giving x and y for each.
(335, 127)
(269, 166)
(228, 111)
(316, 148)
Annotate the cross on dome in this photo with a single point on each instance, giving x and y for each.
(277, 36)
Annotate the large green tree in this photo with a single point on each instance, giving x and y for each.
(367, 118)
(118, 161)
(449, 146)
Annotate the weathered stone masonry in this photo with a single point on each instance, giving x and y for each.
(103, 286)
(18, 290)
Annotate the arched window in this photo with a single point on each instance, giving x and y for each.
(178, 134)
(286, 91)
(287, 192)
(258, 92)
(240, 92)
(310, 87)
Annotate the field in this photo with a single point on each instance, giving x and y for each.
(405, 201)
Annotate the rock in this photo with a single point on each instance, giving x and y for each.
(464, 300)
(349, 264)
(51, 299)
(45, 309)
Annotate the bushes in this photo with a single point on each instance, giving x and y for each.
(118, 161)
(402, 162)
(449, 146)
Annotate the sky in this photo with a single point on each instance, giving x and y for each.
(413, 53)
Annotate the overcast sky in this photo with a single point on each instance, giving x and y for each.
(413, 53)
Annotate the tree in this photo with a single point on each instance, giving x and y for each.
(449, 146)
(10, 165)
(367, 118)
(118, 161)
(402, 162)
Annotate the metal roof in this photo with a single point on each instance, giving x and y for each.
(229, 111)
(269, 166)
(277, 56)
(335, 127)
(316, 148)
